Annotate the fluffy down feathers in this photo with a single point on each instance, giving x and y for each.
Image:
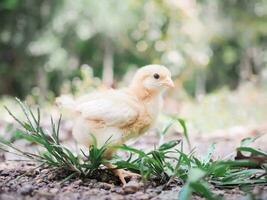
(119, 114)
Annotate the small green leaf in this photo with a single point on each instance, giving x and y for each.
(195, 174)
(247, 141)
(209, 154)
(131, 149)
(164, 131)
(169, 145)
(252, 150)
(185, 132)
(203, 189)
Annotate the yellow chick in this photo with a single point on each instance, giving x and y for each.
(119, 115)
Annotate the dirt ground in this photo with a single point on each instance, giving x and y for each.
(21, 180)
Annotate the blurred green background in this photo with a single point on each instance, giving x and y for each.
(49, 47)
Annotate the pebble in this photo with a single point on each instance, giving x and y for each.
(93, 181)
(51, 176)
(45, 171)
(115, 197)
(39, 180)
(105, 186)
(26, 189)
(5, 173)
(54, 190)
(119, 191)
(68, 196)
(131, 187)
(78, 182)
(141, 195)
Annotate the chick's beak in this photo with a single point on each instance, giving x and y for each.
(168, 82)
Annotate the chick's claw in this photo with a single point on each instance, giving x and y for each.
(122, 174)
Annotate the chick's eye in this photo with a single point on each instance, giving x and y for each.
(156, 76)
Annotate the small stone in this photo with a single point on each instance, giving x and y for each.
(39, 180)
(115, 197)
(93, 181)
(5, 173)
(94, 191)
(78, 182)
(26, 189)
(51, 176)
(105, 186)
(141, 195)
(45, 171)
(131, 187)
(119, 191)
(54, 190)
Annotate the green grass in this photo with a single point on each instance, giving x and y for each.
(54, 154)
(163, 165)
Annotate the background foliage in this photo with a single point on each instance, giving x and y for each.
(207, 44)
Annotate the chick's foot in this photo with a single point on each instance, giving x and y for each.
(122, 174)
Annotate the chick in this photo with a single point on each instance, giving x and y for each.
(119, 115)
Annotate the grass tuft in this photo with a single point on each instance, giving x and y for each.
(54, 154)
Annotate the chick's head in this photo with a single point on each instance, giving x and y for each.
(153, 78)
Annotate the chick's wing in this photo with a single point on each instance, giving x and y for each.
(110, 108)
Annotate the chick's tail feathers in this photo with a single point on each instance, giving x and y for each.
(65, 101)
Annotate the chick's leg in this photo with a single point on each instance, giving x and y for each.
(130, 174)
(121, 173)
(117, 172)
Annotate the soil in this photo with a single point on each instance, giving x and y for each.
(21, 180)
